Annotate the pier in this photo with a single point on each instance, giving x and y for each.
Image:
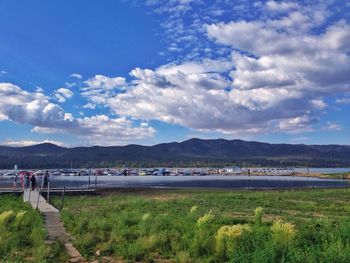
(53, 223)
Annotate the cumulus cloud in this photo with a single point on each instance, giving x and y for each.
(62, 94)
(276, 79)
(100, 86)
(202, 100)
(102, 130)
(100, 81)
(280, 6)
(270, 72)
(36, 109)
(298, 124)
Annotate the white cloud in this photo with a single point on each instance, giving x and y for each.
(76, 75)
(277, 77)
(102, 130)
(89, 106)
(62, 94)
(21, 143)
(100, 87)
(343, 101)
(274, 73)
(281, 6)
(298, 124)
(201, 101)
(195, 67)
(319, 104)
(100, 81)
(332, 126)
(36, 109)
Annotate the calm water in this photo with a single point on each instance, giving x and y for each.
(324, 170)
(193, 181)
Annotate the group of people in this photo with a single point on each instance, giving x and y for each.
(28, 181)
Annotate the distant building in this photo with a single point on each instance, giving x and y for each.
(233, 170)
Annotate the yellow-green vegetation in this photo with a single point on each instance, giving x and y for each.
(212, 226)
(22, 234)
(345, 175)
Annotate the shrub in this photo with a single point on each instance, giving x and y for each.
(229, 237)
(282, 233)
(183, 257)
(146, 216)
(6, 218)
(206, 218)
(258, 213)
(193, 209)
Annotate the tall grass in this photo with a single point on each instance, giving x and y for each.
(22, 234)
(223, 226)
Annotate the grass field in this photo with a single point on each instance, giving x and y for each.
(344, 176)
(22, 234)
(212, 226)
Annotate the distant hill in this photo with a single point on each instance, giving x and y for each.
(193, 152)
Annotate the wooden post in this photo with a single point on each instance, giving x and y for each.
(30, 189)
(48, 192)
(39, 193)
(95, 181)
(89, 178)
(62, 198)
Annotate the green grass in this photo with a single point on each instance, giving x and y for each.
(22, 234)
(337, 175)
(212, 226)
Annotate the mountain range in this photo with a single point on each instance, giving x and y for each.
(193, 152)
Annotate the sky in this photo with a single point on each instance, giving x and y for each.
(117, 72)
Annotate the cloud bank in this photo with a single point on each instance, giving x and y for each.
(277, 77)
(239, 68)
(35, 109)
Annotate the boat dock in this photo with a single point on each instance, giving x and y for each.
(53, 223)
(54, 191)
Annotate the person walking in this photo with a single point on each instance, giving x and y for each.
(15, 178)
(33, 181)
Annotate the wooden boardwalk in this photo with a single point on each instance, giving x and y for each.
(53, 223)
(10, 191)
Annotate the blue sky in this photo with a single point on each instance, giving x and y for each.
(119, 72)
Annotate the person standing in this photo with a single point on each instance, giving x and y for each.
(33, 181)
(27, 180)
(46, 180)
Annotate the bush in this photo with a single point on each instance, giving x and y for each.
(230, 238)
(283, 233)
(202, 221)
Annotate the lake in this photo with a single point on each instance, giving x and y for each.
(211, 181)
